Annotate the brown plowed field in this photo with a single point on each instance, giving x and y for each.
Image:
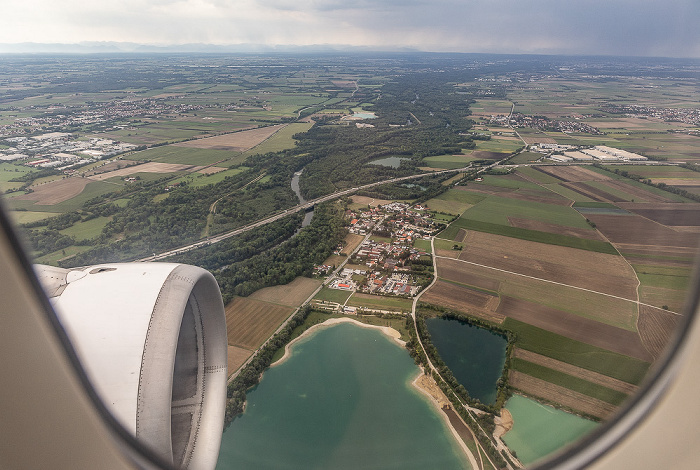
(674, 299)
(668, 214)
(593, 193)
(637, 230)
(616, 312)
(236, 358)
(575, 327)
(556, 394)
(545, 197)
(250, 322)
(352, 241)
(290, 295)
(461, 235)
(464, 299)
(236, 141)
(540, 226)
(657, 327)
(369, 201)
(484, 155)
(459, 272)
(575, 371)
(640, 194)
(555, 263)
(679, 256)
(574, 187)
(448, 253)
(56, 191)
(572, 173)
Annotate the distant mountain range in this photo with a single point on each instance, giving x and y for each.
(129, 47)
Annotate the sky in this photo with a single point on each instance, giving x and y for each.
(667, 28)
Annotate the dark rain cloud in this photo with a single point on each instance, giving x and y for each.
(612, 27)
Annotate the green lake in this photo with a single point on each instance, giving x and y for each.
(343, 400)
(474, 355)
(538, 430)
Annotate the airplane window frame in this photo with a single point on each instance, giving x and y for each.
(581, 454)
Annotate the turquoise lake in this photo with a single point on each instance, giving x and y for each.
(343, 400)
(538, 430)
(474, 355)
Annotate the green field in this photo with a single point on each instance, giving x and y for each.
(454, 201)
(381, 302)
(441, 244)
(538, 176)
(423, 245)
(53, 258)
(657, 171)
(280, 140)
(577, 353)
(448, 161)
(497, 210)
(525, 157)
(567, 193)
(668, 277)
(333, 295)
(196, 180)
(496, 145)
(88, 229)
(25, 217)
(646, 187)
(10, 171)
(187, 155)
(569, 381)
(493, 106)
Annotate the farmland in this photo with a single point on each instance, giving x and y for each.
(250, 322)
(586, 266)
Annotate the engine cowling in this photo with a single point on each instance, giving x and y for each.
(152, 339)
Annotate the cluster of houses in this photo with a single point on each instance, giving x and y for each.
(59, 150)
(685, 115)
(58, 116)
(388, 261)
(543, 123)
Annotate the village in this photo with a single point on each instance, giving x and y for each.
(387, 262)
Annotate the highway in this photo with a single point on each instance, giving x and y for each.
(300, 207)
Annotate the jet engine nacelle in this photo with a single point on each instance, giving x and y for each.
(152, 339)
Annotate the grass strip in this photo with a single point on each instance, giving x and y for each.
(527, 234)
(577, 353)
(576, 384)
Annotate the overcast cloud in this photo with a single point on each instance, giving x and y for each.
(618, 27)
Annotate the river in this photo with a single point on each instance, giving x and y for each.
(342, 400)
(295, 187)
